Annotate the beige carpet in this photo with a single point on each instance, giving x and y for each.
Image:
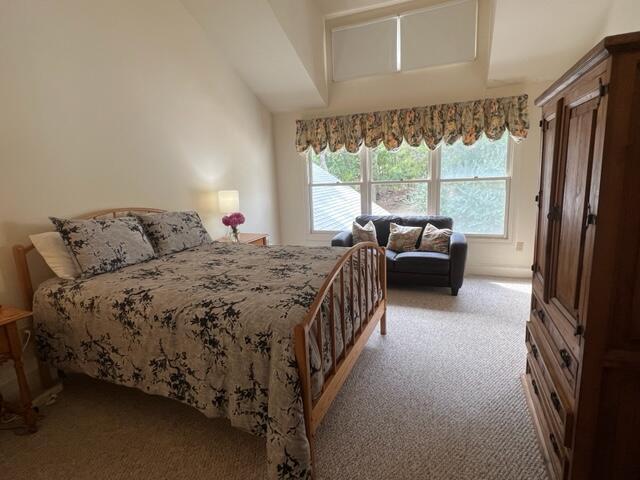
(438, 398)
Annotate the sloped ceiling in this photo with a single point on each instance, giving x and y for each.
(538, 40)
(278, 46)
(257, 38)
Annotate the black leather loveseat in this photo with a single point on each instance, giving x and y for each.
(427, 268)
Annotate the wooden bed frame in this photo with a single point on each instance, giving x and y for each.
(367, 280)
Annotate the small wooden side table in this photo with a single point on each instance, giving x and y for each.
(248, 238)
(11, 349)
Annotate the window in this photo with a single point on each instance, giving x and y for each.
(474, 184)
(468, 183)
(336, 186)
(400, 179)
(399, 42)
(365, 49)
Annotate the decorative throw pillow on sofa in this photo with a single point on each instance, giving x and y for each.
(172, 232)
(104, 245)
(435, 239)
(403, 239)
(364, 234)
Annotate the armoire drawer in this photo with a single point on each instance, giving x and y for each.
(561, 354)
(548, 434)
(553, 397)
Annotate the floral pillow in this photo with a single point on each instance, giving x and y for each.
(435, 239)
(104, 245)
(403, 239)
(364, 234)
(172, 232)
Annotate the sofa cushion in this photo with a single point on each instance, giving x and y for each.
(382, 224)
(422, 262)
(391, 256)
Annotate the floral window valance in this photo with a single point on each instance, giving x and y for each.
(434, 124)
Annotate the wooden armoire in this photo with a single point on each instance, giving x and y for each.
(582, 377)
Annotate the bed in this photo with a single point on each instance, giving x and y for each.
(264, 336)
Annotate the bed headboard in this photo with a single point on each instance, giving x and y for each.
(20, 251)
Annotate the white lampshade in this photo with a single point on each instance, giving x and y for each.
(228, 201)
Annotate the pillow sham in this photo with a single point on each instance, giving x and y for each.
(56, 254)
(364, 234)
(171, 232)
(104, 245)
(435, 239)
(403, 239)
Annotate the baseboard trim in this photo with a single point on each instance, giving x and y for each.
(498, 271)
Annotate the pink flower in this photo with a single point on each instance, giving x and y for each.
(233, 220)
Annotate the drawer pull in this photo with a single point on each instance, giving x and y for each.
(554, 444)
(566, 358)
(556, 401)
(535, 387)
(534, 350)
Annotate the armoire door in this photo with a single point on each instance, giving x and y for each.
(548, 127)
(570, 213)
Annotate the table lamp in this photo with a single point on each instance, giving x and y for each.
(228, 201)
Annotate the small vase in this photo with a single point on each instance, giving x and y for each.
(234, 235)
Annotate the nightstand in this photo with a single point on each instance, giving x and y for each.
(11, 349)
(249, 238)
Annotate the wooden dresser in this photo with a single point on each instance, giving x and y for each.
(583, 336)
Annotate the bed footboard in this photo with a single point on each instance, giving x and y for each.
(356, 289)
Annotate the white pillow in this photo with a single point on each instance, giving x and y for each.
(56, 254)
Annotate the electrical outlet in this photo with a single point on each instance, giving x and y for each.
(519, 246)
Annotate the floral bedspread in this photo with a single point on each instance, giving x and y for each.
(210, 327)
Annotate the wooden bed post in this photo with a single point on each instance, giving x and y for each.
(20, 258)
(315, 407)
(383, 279)
(24, 278)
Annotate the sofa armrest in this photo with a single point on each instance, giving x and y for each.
(342, 239)
(457, 258)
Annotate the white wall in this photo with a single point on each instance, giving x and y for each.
(416, 88)
(120, 103)
(274, 46)
(624, 17)
(304, 25)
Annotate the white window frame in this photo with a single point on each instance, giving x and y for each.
(434, 183)
(364, 195)
(507, 178)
